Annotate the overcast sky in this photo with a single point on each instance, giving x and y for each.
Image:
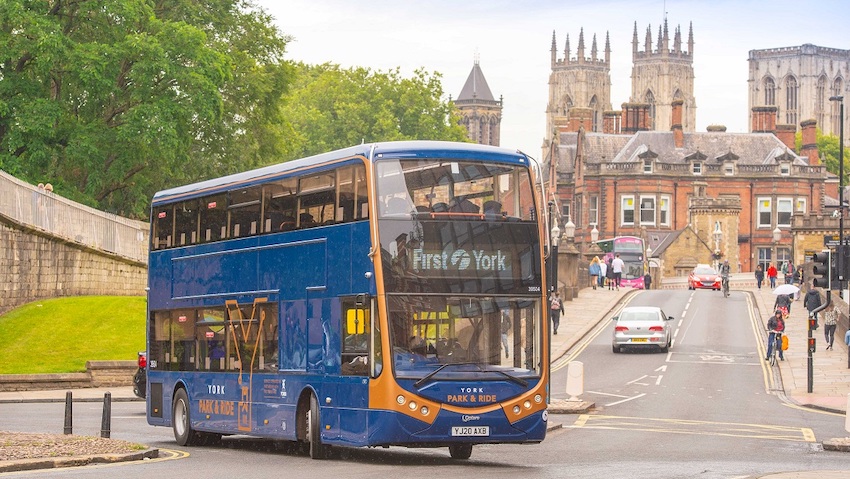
(512, 40)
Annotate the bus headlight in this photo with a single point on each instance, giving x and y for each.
(538, 398)
(412, 405)
(516, 409)
(527, 404)
(400, 399)
(424, 410)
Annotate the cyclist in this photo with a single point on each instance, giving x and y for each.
(724, 274)
(775, 328)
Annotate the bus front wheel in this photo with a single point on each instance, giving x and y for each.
(460, 451)
(314, 431)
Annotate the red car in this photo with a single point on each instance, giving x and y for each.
(704, 277)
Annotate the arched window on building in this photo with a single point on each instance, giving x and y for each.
(769, 91)
(821, 100)
(837, 87)
(568, 105)
(594, 114)
(649, 98)
(791, 90)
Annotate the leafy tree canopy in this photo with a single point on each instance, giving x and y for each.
(110, 100)
(828, 151)
(329, 107)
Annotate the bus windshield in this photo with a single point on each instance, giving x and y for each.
(460, 253)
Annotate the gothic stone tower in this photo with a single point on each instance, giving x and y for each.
(580, 83)
(663, 75)
(799, 81)
(480, 113)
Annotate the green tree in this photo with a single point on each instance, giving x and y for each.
(329, 107)
(828, 152)
(111, 100)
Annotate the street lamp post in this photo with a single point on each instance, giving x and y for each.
(841, 245)
(777, 235)
(718, 236)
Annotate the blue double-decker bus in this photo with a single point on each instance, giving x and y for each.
(381, 295)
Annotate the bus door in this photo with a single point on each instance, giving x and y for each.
(353, 399)
(323, 358)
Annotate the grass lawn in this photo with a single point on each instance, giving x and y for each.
(60, 335)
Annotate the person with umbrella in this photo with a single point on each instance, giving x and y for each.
(784, 296)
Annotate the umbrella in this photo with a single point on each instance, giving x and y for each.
(786, 289)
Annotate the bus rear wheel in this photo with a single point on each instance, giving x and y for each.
(181, 423)
(314, 431)
(460, 451)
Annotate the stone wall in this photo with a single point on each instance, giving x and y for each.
(35, 265)
(98, 374)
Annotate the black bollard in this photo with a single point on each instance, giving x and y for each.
(68, 414)
(105, 424)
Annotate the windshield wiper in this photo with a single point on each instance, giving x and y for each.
(427, 377)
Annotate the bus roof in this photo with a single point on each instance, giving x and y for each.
(369, 151)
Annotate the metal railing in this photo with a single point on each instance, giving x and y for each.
(46, 211)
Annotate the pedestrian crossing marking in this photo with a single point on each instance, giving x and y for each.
(695, 427)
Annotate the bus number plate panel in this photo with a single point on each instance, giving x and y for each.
(467, 431)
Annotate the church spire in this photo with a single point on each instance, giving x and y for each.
(608, 48)
(567, 51)
(647, 44)
(677, 40)
(634, 42)
(580, 52)
(660, 39)
(665, 45)
(554, 50)
(691, 40)
(593, 49)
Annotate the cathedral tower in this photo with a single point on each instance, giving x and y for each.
(663, 75)
(481, 114)
(579, 86)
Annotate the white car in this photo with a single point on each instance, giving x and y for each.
(642, 326)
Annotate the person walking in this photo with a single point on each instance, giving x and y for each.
(609, 273)
(782, 303)
(830, 322)
(603, 271)
(647, 280)
(771, 275)
(788, 271)
(775, 327)
(594, 271)
(812, 301)
(556, 307)
(618, 266)
(759, 275)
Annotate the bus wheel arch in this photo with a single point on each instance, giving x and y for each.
(181, 422)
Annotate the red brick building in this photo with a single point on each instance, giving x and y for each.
(627, 184)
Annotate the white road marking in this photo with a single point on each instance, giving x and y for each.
(636, 380)
(607, 394)
(626, 400)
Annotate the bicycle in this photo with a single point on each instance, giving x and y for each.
(777, 346)
(725, 283)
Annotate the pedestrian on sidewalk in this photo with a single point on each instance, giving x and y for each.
(609, 274)
(797, 279)
(812, 301)
(647, 280)
(603, 271)
(618, 266)
(830, 322)
(771, 275)
(759, 275)
(788, 271)
(556, 307)
(782, 303)
(594, 271)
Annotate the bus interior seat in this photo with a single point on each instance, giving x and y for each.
(287, 223)
(440, 208)
(306, 220)
(397, 206)
(492, 207)
(463, 205)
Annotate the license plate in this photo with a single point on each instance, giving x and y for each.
(639, 340)
(470, 430)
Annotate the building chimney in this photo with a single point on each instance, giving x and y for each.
(678, 136)
(611, 122)
(786, 134)
(764, 119)
(810, 145)
(635, 117)
(580, 117)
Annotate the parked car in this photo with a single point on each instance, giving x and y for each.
(642, 326)
(704, 276)
(140, 379)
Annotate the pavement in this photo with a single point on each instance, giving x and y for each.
(831, 375)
